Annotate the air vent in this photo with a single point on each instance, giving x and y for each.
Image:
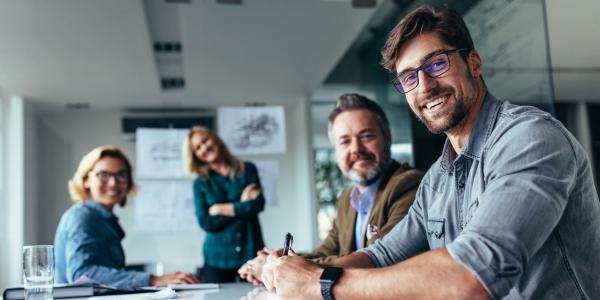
(78, 106)
(170, 83)
(167, 47)
(130, 124)
(229, 1)
(364, 3)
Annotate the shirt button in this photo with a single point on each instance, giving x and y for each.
(461, 185)
(238, 248)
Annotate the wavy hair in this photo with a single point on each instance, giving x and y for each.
(77, 188)
(193, 165)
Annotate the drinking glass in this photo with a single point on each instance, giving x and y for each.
(38, 272)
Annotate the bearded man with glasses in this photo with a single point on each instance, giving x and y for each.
(508, 211)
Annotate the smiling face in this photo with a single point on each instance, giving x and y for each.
(108, 182)
(443, 103)
(361, 147)
(204, 148)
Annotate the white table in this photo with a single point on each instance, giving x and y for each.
(226, 291)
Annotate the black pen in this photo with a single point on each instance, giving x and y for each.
(289, 239)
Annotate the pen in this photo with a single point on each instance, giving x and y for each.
(289, 239)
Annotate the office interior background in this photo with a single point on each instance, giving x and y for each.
(72, 72)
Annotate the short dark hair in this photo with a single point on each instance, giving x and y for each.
(447, 23)
(347, 102)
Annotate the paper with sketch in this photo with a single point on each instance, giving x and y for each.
(159, 152)
(268, 171)
(252, 130)
(165, 206)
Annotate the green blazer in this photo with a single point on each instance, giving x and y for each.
(394, 197)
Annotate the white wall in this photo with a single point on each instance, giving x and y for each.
(64, 137)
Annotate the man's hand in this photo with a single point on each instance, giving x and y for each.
(252, 269)
(292, 276)
(178, 277)
(250, 192)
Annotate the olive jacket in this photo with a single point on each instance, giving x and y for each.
(394, 197)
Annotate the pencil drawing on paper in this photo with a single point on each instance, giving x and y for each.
(255, 131)
(165, 150)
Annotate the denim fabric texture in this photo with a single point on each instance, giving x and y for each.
(88, 242)
(517, 207)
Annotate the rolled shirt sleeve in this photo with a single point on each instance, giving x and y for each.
(531, 173)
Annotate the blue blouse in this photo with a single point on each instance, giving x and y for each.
(88, 242)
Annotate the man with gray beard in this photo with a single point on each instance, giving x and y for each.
(383, 192)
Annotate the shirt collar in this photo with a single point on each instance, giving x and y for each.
(484, 124)
(362, 202)
(99, 208)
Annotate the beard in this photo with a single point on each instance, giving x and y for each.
(443, 123)
(374, 169)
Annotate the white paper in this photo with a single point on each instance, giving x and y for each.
(166, 293)
(252, 130)
(268, 171)
(165, 206)
(159, 153)
(196, 286)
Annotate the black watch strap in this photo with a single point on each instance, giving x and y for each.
(328, 278)
(327, 291)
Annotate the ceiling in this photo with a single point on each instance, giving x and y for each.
(274, 52)
(100, 51)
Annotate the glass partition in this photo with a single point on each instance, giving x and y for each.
(510, 36)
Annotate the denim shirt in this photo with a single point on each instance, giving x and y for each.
(517, 207)
(88, 242)
(363, 203)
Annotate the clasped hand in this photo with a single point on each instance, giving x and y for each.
(252, 269)
(291, 276)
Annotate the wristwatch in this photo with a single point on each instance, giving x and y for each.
(328, 278)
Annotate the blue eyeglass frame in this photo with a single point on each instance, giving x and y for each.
(396, 81)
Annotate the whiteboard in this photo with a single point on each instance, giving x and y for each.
(268, 171)
(252, 130)
(165, 206)
(158, 153)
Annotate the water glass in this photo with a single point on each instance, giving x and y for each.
(38, 272)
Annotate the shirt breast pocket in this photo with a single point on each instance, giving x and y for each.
(435, 233)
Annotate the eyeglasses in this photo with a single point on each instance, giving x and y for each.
(434, 67)
(120, 177)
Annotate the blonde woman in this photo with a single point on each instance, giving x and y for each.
(88, 237)
(228, 198)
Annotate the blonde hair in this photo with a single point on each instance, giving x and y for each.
(77, 188)
(194, 165)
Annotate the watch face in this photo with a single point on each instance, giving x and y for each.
(332, 274)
